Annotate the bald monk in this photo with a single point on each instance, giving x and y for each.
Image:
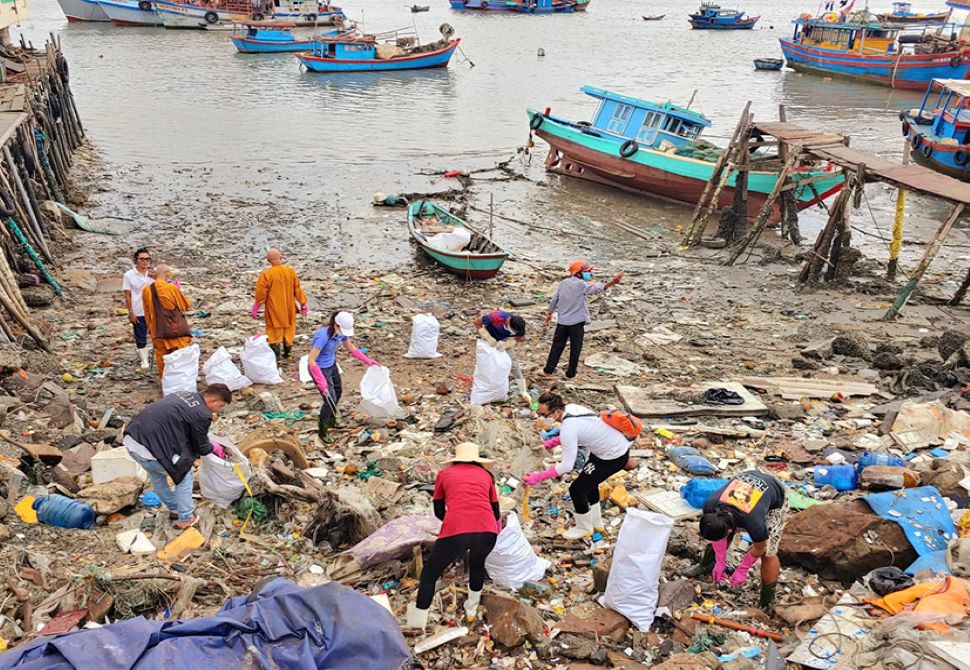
(171, 333)
(278, 288)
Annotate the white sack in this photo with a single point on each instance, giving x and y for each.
(512, 562)
(218, 479)
(259, 361)
(305, 376)
(377, 396)
(220, 369)
(633, 585)
(424, 337)
(492, 368)
(181, 371)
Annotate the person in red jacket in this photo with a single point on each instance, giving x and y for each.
(466, 501)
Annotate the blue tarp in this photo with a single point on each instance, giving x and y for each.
(285, 626)
(923, 516)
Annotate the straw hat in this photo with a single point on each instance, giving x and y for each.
(467, 452)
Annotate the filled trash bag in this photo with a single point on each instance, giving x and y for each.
(259, 361)
(218, 479)
(220, 369)
(491, 380)
(424, 337)
(378, 399)
(512, 562)
(691, 461)
(327, 627)
(181, 371)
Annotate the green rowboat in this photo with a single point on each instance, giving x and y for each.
(453, 243)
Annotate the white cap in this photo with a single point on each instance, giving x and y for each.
(346, 322)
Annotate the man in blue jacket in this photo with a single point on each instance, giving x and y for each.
(167, 436)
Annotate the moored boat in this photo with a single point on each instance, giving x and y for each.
(542, 6)
(655, 149)
(131, 12)
(453, 243)
(768, 63)
(202, 14)
(300, 12)
(254, 37)
(581, 5)
(857, 48)
(712, 16)
(482, 5)
(371, 53)
(82, 10)
(938, 129)
(903, 13)
(658, 17)
(416, 9)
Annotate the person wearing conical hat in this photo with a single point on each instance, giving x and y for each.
(466, 502)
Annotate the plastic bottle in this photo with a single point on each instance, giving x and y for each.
(56, 510)
(869, 458)
(697, 491)
(840, 477)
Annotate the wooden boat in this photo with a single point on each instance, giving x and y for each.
(883, 54)
(543, 6)
(83, 11)
(903, 13)
(768, 63)
(581, 5)
(937, 129)
(216, 14)
(655, 149)
(419, 8)
(260, 37)
(659, 17)
(130, 12)
(711, 16)
(482, 5)
(453, 243)
(364, 53)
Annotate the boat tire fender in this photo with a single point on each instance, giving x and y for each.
(956, 61)
(536, 121)
(628, 148)
(926, 150)
(211, 18)
(257, 16)
(905, 129)
(63, 69)
(6, 204)
(26, 158)
(915, 140)
(756, 140)
(145, 6)
(311, 17)
(961, 157)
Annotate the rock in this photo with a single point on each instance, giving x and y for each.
(446, 421)
(687, 661)
(830, 540)
(961, 357)
(819, 351)
(624, 662)
(61, 413)
(786, 411)
(946, 476)
(572, 646)
(79, 279)
(700, 443)
(52, 212)
(852, 346)
(809, 610)
(512, 622)
(805, 364)
(887, 360)
(950, 342)
(676, 595)
(521, 301)
(38, 296)
(4, 533)
(601, 573)
(112, 496)
(590, 619)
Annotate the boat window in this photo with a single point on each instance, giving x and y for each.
(621, 116)
(649, 128)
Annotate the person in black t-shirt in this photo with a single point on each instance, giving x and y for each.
(757, 503)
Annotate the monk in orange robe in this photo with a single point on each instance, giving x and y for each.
(170, 297)
(278, 288)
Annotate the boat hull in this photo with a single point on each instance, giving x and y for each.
(927, 20)
(129, 13)
(174, 15)
(324, 19)
(250, 46)
(911, 71)
(948, 159)
(464, 264)
(525, 9)
(658, 174)
(424, 61)
(703, 24)
(83, 11)
(481, 5)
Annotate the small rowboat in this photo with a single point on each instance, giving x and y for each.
(419, 8)
(453, 243)
(768, 63)
(659, 17)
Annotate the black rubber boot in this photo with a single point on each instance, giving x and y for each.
(276, 350)
(287, 350)
(767, 597)
(705, 566)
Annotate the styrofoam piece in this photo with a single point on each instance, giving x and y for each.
(111, 464)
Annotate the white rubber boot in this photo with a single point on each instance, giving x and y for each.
(583, 528)
(597, 513)
(417, 618)
(471, 604)
(143, 357)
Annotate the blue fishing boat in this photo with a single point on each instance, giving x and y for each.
(895, 56)
(711, 16)
(938, 129)
(768, 63)
(482, 5)
(261, 37)
(903, 13)
(543, 6)
(364, 53)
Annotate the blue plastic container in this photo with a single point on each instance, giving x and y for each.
(697, 491)
(840, 477)
(868, 458)
(55, 510)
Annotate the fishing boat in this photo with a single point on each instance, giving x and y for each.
(857, 48)
(711, 16)
(189, 14)
(386, 51)
(542, 6)
(130, 12)
(453, 243)
(260, 37)
(300, 12)
(938, 129)
(581, 5)
(769, 63)
(903, 13)
(82, 11)
(415, 9)
(655, 149)
(482, 5)
(659, 17)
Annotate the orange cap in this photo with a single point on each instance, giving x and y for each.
(579, 266)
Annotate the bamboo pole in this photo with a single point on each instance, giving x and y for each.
(752, 237)
(819, 256)
(25, 323)
(9, 283)
(961, 291)
(18, 208)
(32, 218)
(896, 245)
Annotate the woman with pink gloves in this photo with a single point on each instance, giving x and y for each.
(324, 369)
(609, 451)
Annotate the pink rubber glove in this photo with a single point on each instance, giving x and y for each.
(319, 378)
(534, 478)
(359, 355)
(304, 309)
(720, 560)
(175, 282)
(740, 575)
(255, 310)
(218, 450)
(551, 443)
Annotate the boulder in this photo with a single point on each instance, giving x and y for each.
(851, 346)
(112, 496)
(512, 622)
(830, 540)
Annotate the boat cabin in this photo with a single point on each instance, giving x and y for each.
(267, 31)
(946, 100)
(902, 9)
(829, 33)
(346, 48)
(649, 123)
(712, 11)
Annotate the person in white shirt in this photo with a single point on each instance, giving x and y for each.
(133, 282)
(609, 452)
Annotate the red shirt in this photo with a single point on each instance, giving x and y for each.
(468, 491)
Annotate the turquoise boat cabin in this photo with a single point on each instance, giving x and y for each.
(651, 125)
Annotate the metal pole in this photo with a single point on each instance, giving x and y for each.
(897, 242)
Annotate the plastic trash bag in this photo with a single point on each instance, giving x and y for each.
(218, 479)
(492, 369)
(424, 337)
(889, 580)
(259, 361)
(632, 588)
(395, 539)
(181, 371)
(512, 562)
(691, 461)
(377, 396)
(220, 369)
